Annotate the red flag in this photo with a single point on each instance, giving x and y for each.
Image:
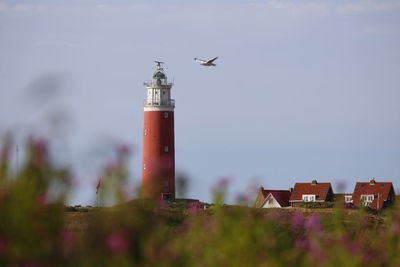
(98, 186)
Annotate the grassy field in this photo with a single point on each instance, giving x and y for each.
(36, 229)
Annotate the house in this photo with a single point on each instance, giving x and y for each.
(311, 192)
(348, 198)
(272, 198)
(377, 195)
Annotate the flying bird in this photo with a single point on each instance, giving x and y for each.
(209, 62)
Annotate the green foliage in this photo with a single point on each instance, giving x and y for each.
(37, 230)
(318, 205)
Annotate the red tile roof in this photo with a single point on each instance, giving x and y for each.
(281, 196)
(265, 192)
(320, 190)
(380, 190)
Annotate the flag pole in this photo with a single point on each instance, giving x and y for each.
(98, 192)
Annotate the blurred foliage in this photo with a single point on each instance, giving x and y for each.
(318, 205)
(36, 229)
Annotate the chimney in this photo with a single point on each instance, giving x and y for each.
(290, 189)
(314, 182)
(372, 181)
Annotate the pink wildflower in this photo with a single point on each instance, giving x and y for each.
(67, 239)
(123, 150)
(313, 223)
(117, 243)
(40, 152)
(297, 220)
(224, 182)
(113, 166)
(302, 244)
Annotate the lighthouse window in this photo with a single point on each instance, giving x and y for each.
(166, 149)
(165, 115)
(145, 132)
(144, 166)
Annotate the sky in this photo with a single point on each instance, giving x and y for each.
(302, 90)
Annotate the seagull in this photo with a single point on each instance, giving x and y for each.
(206, 62)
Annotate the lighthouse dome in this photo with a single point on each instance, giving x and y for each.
(159, 75)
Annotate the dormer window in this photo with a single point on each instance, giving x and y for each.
(308, 198)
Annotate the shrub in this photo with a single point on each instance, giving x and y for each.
(318, 205)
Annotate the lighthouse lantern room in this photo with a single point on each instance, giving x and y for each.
(158, 161)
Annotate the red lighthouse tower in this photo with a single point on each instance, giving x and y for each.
(158, 169)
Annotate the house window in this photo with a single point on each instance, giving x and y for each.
(308, 198)
(348, 199)
(165, 115)
(163, 92)
(165, 148)
(367, 199)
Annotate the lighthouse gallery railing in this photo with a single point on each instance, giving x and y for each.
(169, 102)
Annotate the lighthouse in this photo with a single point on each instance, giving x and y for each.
(158, 159)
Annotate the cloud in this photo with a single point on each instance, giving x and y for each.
(367, 6)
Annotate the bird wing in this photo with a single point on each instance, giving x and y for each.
(211, 60)
(200, 60)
